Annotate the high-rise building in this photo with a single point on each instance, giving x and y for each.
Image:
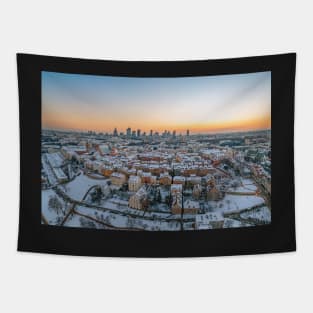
(128, 132)
(115, 133)
(174, 133)
(151, 132)
(188, 133)
(133, 133)
(138, 132)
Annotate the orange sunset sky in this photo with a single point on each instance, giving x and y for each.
(205, 104)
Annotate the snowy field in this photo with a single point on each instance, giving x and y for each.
(50, 215)
(79, 221)
(204, 221)
(246, 186)
(231, 223)
(238, 203)
(77, 188)
(235, 204)
(120, 221)
(262, 214)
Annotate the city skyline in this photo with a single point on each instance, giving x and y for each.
(147, 133)
(209, 104)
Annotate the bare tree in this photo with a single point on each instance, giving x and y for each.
(86, 223)
(55, 204)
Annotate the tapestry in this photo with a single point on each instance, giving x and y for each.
(156, 159)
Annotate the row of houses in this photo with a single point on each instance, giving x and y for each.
(139, 200)
(135, 181)
(107, 168)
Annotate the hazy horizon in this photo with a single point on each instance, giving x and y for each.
(206, 104)
(148, 131)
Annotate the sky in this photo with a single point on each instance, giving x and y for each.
(202, 104)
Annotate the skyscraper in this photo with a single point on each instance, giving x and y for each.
(128, 132)
(187, 133)
(115, 133)
(138, 132)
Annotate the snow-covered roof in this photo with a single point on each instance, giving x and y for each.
(55, 159)
(176, 188)
(117, 175)
(134, 179)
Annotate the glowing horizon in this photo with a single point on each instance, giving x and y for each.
(207, 104)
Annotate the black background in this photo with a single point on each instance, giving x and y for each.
(279, 236)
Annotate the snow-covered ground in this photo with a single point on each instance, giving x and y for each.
(231, 223)
(122, 206)
(262, 214)
(247, 181)
(77, 188)
(246, 186)
(242, 189)
(237, 203)
(120, 221)
(79, 221)
(206, 221)
(50, 215)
